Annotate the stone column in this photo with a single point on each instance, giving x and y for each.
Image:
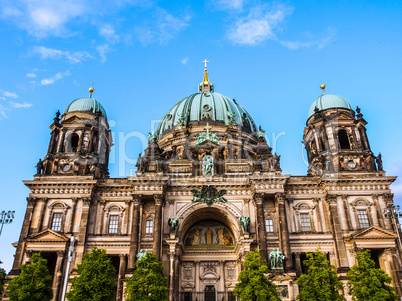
(316, 201)
(41, 214)
(176, 276)
(124, 229)
(80, 141)
(342, 214)
(158, 225)
(24, 233)
(347, 211)
(137, 201)
(337, 231)
(171, 276)
(298, 263)
(197, 275)
(61, 140)
(57, 278)
(82, 230)
(222, 268)
(283, 229)
(74, 200)
(377, 210)
(259, 199)
(120, 280)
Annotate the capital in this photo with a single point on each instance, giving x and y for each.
(137, 199)
(280, 197)
(259, 198)
(31, 201)
(331, 199)
(159, 200)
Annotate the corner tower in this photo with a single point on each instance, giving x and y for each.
(80, 141)
(335, 138)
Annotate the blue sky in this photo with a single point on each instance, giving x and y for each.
(143, 56)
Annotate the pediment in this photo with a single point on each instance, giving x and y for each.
(210, 275)
(341, 116)
(48, 236)
(373, 232)
(72, 119)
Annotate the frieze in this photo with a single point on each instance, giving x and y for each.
(61, 191)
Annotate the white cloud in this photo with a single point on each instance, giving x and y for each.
(228, 4)
(107, 31)
(10, 94)
(164, 28)
(259, 25)
(3, 112)
(17, 105)
(2, 98)
(102, 50)
(319, 43)
(31, 75)
(42, 18)
(184, 61)
(50, 53)
(53, 79)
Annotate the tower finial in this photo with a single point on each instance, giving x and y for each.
(323, 87)
(91, 90)
(206, 85)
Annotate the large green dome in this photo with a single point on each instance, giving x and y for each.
(200, 108)
(328, 101)
(87, 104)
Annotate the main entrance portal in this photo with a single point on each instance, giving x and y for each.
(209, 293)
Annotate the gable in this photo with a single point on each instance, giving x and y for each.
(48, 236)
(372, 232)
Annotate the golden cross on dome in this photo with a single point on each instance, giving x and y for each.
(207, 128)
(205, 62)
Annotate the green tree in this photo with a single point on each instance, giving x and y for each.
(253, 285)
(33, 283)
(3, 275)
(366, 283)
(321, 281)
(147, 282)
(95, 280)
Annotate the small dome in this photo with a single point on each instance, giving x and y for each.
(209, 107)
(328, 101)
(90, 105)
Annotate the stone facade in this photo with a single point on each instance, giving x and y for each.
(193, 185)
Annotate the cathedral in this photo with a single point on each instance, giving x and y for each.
(208, 189)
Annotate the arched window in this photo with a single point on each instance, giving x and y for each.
(343, 139)
(74, 142)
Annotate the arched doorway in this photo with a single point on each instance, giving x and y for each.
(211, 246)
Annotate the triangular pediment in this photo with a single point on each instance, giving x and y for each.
(48, 236)
(73, 119)
(372, 232)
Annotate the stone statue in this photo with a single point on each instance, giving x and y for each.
(39, 167)
(139, 163)
(378, 159)
(182, 119)
(245, 223)
(200, 138)
(276, 259)
(142, 254)
(261, 133)
(275, 162)
(152, 136)
(207, 165)
(231, 117)
(214, 138)
(173, 222)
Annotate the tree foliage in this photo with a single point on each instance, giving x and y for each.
(321, 281)
(95, 280)
(33, 283)
(147, 282)
(366, 283)
(3, 275)
(253, 285)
